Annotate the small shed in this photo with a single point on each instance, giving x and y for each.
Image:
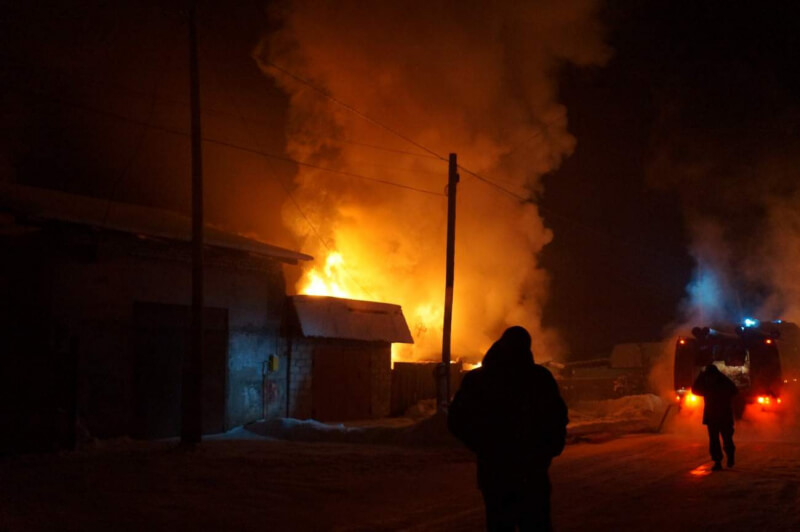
(339, 356)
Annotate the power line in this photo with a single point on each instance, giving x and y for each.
(231, 145)
(349, 107)
(125, 90)
(238, 147)
(286, 189)
(375, 122)
(392, 150)
(493, 184)
(553, 214)
(431, 153)
(321, 168)
(140, 143)
(262, 61)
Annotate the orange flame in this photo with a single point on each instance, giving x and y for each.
(328, 282)
(334, 279)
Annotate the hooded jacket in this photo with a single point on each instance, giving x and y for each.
(510, 413)
(717, 391)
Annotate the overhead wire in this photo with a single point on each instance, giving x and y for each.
(232, 145)
(490, 182)
(140, 142)
(428, 152)
(350, 108)
(383, 126)
(106, 85)
(286, 188)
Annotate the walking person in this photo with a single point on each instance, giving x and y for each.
(717, 391)
(510, 413)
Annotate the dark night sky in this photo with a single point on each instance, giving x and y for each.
(689, 83)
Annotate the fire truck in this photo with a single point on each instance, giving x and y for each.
(761, 358)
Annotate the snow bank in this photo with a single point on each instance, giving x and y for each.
(431, 431)
(422, 427)
(629, 414)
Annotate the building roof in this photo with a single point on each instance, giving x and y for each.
(55, 205)
(333, 317)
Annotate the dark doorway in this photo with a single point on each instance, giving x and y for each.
(341, 384)
(161, 336)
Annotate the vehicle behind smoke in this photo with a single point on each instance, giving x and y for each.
(762, 359)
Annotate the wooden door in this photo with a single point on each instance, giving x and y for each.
(341, 384)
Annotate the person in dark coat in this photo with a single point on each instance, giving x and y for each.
(510, 413)
(717, 391)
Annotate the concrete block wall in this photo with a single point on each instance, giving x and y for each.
(93, 301)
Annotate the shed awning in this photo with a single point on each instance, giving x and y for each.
(333, 317)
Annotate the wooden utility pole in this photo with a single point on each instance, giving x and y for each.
(192, 382)
(443, 385)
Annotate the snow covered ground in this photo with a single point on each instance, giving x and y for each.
(396, 479)
(588, 421)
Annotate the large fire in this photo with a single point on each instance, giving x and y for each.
(374, 135)
(328, 282)
(334, 280)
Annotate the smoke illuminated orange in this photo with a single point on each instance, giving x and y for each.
(334, 279)
(328, 282)
(382, 208)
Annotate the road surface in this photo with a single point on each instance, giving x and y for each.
(638, 482)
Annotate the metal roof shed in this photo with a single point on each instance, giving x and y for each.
(339, 353)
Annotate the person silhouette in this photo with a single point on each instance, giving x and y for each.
(510, 413)
(717, 391)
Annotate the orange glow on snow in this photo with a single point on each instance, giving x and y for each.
(701, 471)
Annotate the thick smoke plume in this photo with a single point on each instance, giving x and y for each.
(726, 142)
(745, 239)
(476, 79)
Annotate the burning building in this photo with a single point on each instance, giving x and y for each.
(338, 357)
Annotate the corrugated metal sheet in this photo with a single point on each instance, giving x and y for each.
(55, 205)
(333, 317)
